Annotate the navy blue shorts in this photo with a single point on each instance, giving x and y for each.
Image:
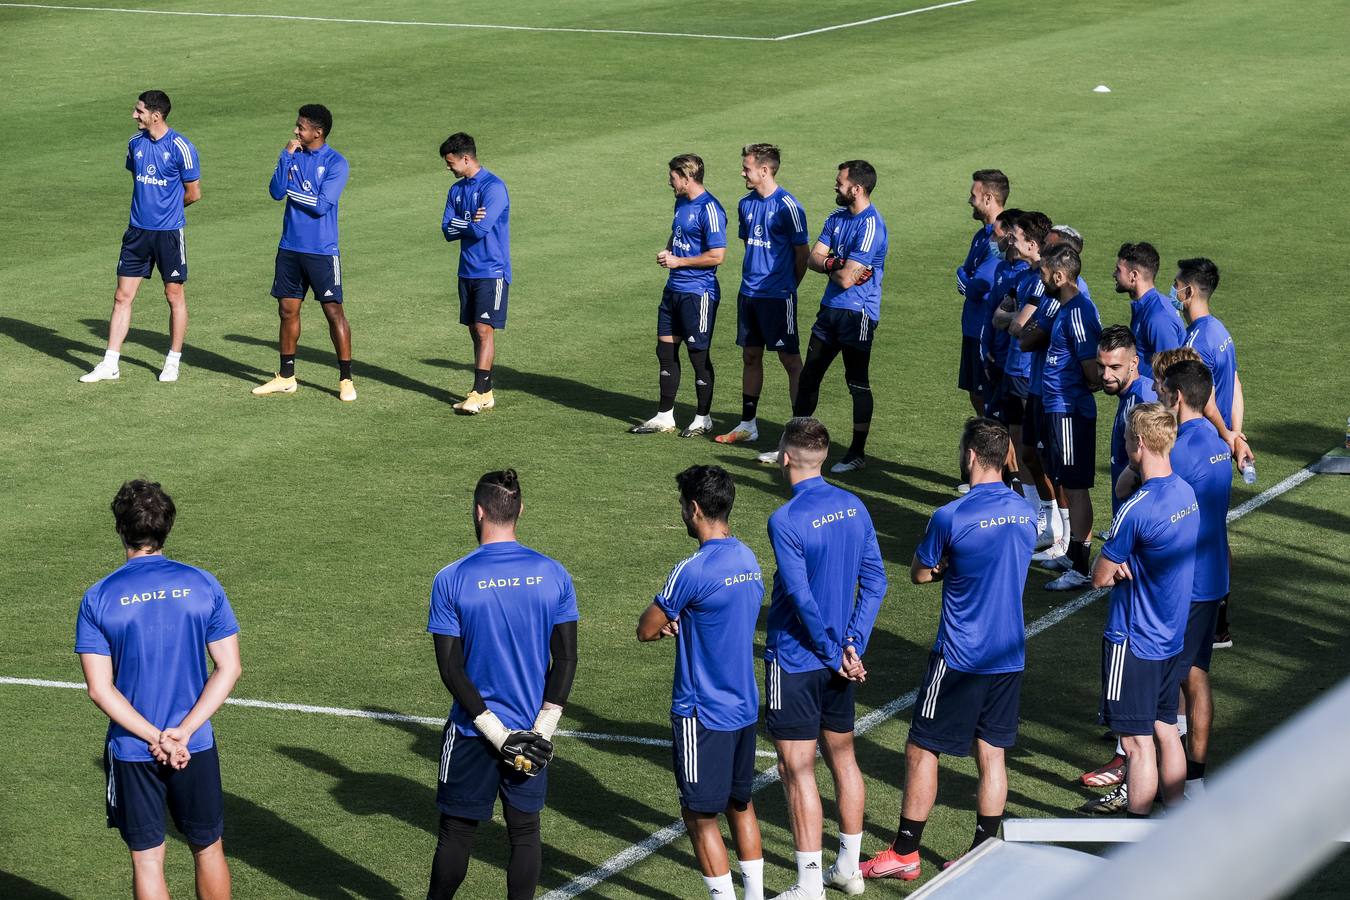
(801, 705)
(712, 768)
(297, 273)
(970, 377)
(954, 708)
(844, 328)
(1136, 692)
(767, 322)
(1033, 422)
(1200, 624)
(143, 250)
(137, 792)
(1014, 399)
(689, 317)
(482, 301)
(473, 775)
(1071, 446)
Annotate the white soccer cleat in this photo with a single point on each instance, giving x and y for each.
(767, 458)
(1058, 564)
(170, 372)
(853, 885)
(849, 463)
(744, 433)
(701, 425)
(1054, 551)
(797, 892)
(101, 372)
(661, 423)
(1071, 580)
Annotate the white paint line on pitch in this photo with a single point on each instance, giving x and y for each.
(371, 714)
(478, 26)
(636, 853)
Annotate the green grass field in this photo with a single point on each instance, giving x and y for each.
(1224, 136)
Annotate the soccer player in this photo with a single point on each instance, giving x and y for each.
(504, 622)
(1195, 283)
(309, 176)
(988, 193)
(773, 227)
(166, 178)
(979, 547)
(827, 589)
(478, 215)
(851, 253)
(710, 604)
(1149, 561)
(688, 310)
(1122, 378)
(143, 634)
(1068, 380)
(1153, 322)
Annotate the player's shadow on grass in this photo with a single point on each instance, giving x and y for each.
(51, 342)
(361, 369)
(567, 392)
(193, 355)
(371, 793)
(587, 719)
(14, 886)
(263, 840)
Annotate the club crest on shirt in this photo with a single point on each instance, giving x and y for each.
(320, 171)
(166, 155)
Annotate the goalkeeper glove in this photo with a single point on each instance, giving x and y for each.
(833, 263)
(864, 276)
(525, 751)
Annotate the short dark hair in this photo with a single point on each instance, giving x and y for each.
(1008, 218)
(989, 439)
(861, 173)
(1142, 255)
(319, 115)
(156, 101)
(806, 433)
(710, 487)
(1199, 273)
(1117, 337)
(459, 144)
(1069, 236)
(1192, 380)
(498, 494)
(690, 165)
(1035, 225)
(764, 155)
(143, 514)
(1063, 258)
(995, 180)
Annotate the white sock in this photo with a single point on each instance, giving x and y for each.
(809, 875)
(1181, 726)
(850, 846)
(1064, 517)
(720, 887)
(173, 356)
(1120, 749)
(752, 878)
(667, 416)
(111, 357)
(752, 425)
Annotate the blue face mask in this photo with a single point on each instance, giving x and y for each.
(1176, 301)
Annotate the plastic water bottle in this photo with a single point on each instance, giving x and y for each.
(1249, 472)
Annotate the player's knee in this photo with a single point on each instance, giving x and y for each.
(752, 356)
(792, 362)
(521, 827)
(859, 387)
(123, 297)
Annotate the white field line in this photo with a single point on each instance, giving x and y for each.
(370, 714)
(478, 26)
(635, 853)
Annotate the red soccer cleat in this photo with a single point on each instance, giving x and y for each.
(1105, 776)
(889, 864)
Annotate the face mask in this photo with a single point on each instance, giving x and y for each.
(1176, 301)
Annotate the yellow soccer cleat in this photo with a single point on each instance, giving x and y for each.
(346, 390)
(475, 403)
(278, 385)
(744, 433)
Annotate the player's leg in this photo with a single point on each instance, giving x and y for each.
(324, 275)
(704, 762)
(135, 795)
(820, 352)
(289, 286)
(797, 770)
(171, 258)
(992, 793)
(212, 871)
(454, 843)
(668, 337)
(700, 315)
(1197, 654)
(527, 852)
(1141, 772)
(901, 859)
(749, 847)
(341, 334)
(857, 360)
(851, 797)
(751, 341)
(792, 365)
(119, 322)
(468, 781)
(147, 874)
(711, 852)
(197, 804)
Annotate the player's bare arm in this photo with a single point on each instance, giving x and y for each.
(1022, 320)
(921, 574)
(705, 260)
(1033, 337)
(1092, 374)
(1107, 573)
(655, 625)
(192, 192)
(1006, 314)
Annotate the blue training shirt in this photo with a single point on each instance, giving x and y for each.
(1073, 339)
(1156, 327)
(975, 310)
(715, 594)
(861, 238)
(1208, 337)
(1139, 392)
(699, 225)
(994, 342)
(1155, 533)
(502, 601)
(160, 169)
(484, 246)
(987, 537)
(982, 247)
(1027, 288)
(829, 581)
(154, 616)
(1203, 460)
(772, 227)
(310, 181)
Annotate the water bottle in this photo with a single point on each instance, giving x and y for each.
(1249, 472)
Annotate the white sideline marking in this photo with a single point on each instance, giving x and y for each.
(640, 851)
(483, 27)
(369, 714)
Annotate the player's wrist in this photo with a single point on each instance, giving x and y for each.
(546, 723)
(489, 726)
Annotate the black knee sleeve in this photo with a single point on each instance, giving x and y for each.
(667, 356)
(527, 852)
(454, 840)
(856, 363)
(703, 383)
(818, 359)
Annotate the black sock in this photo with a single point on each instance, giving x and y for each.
(1222, 626)
(482, 380)
(669, 361)
(908, 835)
(1079, 554)
(451, 862)
(345, 369)
(1194, 770)
(749, 407)
(287, 365)
(527, 852)
(985, 828)
(859, 444)
(703, 380)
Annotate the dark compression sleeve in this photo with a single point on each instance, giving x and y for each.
(562, 646)
(450, 660)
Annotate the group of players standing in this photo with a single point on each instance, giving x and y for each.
(504, 617)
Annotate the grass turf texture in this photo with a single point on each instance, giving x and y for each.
(325, 522)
